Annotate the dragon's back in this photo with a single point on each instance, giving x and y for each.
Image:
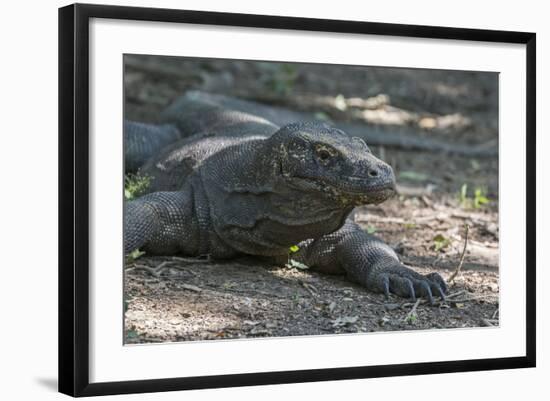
(169, 170)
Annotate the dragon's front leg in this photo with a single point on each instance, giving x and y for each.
(371, 262)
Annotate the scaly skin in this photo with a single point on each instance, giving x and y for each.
(225, 194)
(143, 140)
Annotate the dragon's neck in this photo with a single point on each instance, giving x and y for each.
(250, 203)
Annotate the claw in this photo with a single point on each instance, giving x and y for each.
(441, 292)
(428, 292)
(437, 279)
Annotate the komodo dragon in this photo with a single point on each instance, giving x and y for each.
(238, 184)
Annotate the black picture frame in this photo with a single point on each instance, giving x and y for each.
(74, 198)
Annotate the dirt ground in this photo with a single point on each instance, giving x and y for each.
(440, 194)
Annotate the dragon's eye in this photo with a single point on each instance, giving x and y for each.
(323, 154)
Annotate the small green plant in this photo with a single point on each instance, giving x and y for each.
(370, 229)
(479, 199)
(440, 242)
(131, 334)
(132, 256)
(294, 263)
(135, 185)
(412, 318)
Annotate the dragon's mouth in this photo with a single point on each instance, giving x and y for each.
(358, 190)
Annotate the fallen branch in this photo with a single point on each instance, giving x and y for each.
(459, 267)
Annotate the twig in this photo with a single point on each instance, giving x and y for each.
(312, 290)
(489, 322)
(412, 311)
(425, 220)
(455, 294)
(495, 314)
(475, 298)
(473, 217)
(457, 270)
(436, 260)
(427, 201)
(190, 287)
(155, 271)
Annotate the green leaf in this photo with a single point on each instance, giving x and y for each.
(135, 254)
(479, 198)
(294, 248)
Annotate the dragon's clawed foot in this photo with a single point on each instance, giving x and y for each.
(406, 283)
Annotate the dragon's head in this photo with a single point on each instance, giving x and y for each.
(315, 157)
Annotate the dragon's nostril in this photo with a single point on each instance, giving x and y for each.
(373, 173)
